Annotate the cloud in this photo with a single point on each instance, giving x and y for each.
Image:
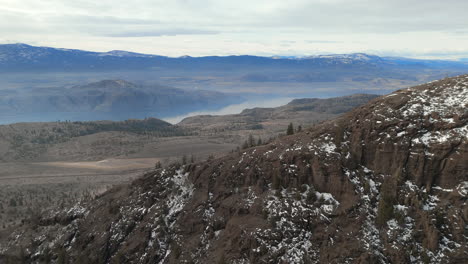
(323, 41)
(162, 32)
(99, 20)
(260, 27)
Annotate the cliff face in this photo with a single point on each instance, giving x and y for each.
(385, 183)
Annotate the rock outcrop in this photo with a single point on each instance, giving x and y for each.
(385, 183)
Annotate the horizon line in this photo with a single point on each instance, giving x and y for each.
(461, 59)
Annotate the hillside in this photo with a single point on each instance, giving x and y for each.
(31, 141)
(105, 100)
(151, 137)
(270, 121)
(384, 183)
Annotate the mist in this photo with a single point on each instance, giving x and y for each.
(233, 109)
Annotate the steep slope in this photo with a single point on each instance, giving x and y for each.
(385, 183)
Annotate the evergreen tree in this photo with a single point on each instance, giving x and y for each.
(276, 181)
(245, 145)
(251, 141)
(157, 165)
(387, 199)
(290, 129)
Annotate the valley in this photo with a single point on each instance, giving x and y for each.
(356, 181)
(233, 132)
(69, 161)
(46, 84)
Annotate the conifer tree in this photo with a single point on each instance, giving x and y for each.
(290, 129)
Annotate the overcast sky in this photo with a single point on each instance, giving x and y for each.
(411, 28)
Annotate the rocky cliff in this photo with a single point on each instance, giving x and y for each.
(385, 183)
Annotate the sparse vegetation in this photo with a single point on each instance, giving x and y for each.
(20, 203)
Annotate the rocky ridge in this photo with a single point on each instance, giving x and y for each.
(385, 183)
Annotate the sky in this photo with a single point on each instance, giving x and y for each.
(409, 28)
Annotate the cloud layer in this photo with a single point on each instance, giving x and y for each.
(416, 28)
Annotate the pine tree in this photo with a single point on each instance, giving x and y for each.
(290, 130)
(245, 145)
(387, 199)
(275, 181)
(251, 141)
(157, 165)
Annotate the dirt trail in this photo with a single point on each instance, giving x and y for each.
(107, 164)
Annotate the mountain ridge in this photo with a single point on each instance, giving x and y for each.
(124, 53)
(33, 57)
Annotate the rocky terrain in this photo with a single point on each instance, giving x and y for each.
(44, 165)
(385, 183)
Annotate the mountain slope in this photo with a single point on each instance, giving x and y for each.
(385, 183)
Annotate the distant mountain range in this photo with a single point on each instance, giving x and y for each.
(22, 57)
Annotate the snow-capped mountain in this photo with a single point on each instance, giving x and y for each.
(385, 183)
(24, 58)
(347, 58)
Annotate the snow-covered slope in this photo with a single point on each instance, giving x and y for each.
(360, 58)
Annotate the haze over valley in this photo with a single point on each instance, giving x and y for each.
(49, 84)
